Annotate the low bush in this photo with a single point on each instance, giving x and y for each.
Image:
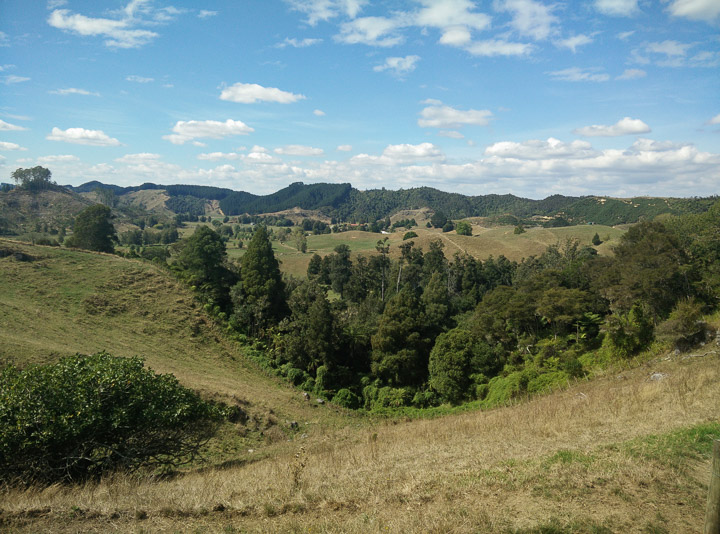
(86, 415)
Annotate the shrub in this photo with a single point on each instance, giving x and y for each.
(346, 399)
(409, 235)
(86, 415)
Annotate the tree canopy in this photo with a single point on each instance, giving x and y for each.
(94, 230)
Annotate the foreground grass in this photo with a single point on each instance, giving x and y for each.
(620, 454)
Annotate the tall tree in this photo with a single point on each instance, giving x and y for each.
(259, 297)
(34, 179)
(93, 229)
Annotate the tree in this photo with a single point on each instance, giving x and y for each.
(34, 179)
(439, 219)
(449, 365)
(463, 228)
(93, 229)
(202, 261)
(299, 239)
(340, 269)
(596, 240)
(259, 296)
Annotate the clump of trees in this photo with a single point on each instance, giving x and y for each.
(425, 329)
(93, 230)
(35, 179)
(85, 416)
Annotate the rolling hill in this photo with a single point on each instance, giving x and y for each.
(627, 451)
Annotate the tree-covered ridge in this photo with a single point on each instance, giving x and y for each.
(344, 203)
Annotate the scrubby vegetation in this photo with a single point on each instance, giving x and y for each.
(86, 416)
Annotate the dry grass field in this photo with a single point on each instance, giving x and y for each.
(624, 452)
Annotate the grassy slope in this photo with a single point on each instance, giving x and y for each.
(582, 460)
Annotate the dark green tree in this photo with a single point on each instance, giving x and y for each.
(34, 179)
(340, 269)
(439, 219)
(93, 230)
(463, 228)
(259, 296)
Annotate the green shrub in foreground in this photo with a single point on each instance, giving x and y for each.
(87, 415)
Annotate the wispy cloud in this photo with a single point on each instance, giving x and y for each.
(576, 74)
(398, 66)
(73, 91)
(7, 127)
(139, 79)
(295, 43)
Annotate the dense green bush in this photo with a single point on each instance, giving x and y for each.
(87, 415)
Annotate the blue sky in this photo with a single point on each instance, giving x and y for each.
(529, 97)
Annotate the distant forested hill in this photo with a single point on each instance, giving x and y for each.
(345, 203)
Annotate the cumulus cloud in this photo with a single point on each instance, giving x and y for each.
(73, 91)
(576, 74)
(205, 13)
(260, 158)
(538, 150)
(318, 113)
(715, 119)
(620, 8)
(398, 65)
(299, 150)
(185, 131)
(455, 18)
(437, 115)
(625, 126)
(452, 134)
(81, 136)
(249, 93)
(707, 10)
(7, 127)
(344, 148)
(410, 153)
(5, 145)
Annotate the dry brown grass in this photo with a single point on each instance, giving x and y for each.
(549, 461)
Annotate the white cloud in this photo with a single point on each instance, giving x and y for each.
(259, 149)
(674, 54)
(4, 39)
(398, 65)
(622, 8)
(299, 44)
(5, 145)
(695, 9)
(632, 74)
(249, 93)
(185, 131)
(118, 33)
(260, 158)
(142, 157)
(139, 79)
(715, 119)
(214, 156)
(625, 126)
(73, 91)
(452, 134)
(571, 43)
(437, 115)
(344, 148)
(624, 36)
(299, 150)
(323, 10)
(410, 153)
(318, 113)
(11, 79)
(204, 14)
(456, 36)
(499, 47)
(530, 18)
(65, 158)
(539, 150)
(372, 31)
(81, 136)
(576, 74)
(7, 127)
